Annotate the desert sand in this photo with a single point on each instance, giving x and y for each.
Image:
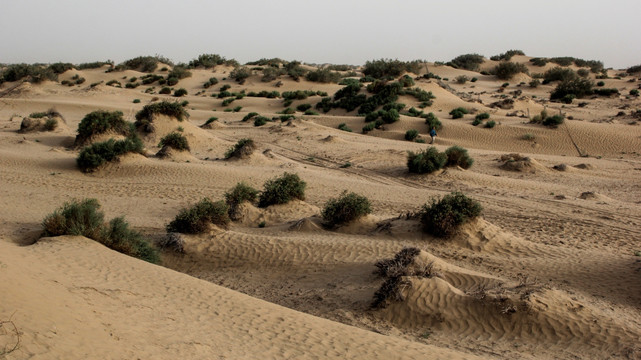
(552, 269)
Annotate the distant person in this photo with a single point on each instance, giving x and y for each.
(433, 135)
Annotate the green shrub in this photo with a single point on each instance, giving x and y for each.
(559, 74)
(406, 81)
(136, 101)
(388, 68)
(528, 136)
(35, 73)
(179, 72)
(553, 121)
(504, 85)
(458, 112)
(180, 92)
(634, 92)
(210, 61)
(578, 87)
(482, 116)
(426, 161)
(468, 62)
(211, 82)
(165, 90)
(477, 122)
(606, 92)
(490, 124)
(410, 135)
(368, 127)
(310, 112)
(507, 70)
(83, 218)
(249, 116)
(240, 74)
(210, 120)
(583, 73)
(195, 220)
(507, 55)
(282, 190)
(344, 127)
(600, 84)
(271, 73)
(242, 149)
(323, 76)
(534, 83)
(567, 99)
(174, 140)
(145, 117)
(344, 209)
(303, 107)
(130, 85)
(100, 122)
(390, 116)
(97, 154)
(458, 156)
(237, 195)
(442, 218)
(143, 63)
(51, 124)
(260, 120)
(461, 79)
(432, 121)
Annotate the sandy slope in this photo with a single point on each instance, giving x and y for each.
(549, 272)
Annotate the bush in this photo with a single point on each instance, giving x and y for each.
(346, 208)
(211, 82)
(461, 79)
(310, 112)
(175, 141)
(406, 81)
(179, 72)
(477, 122)
(410, 135)
(344, 127)
(468, 62)
(242, 149)
(458, 156)
(458, 112)
(236, 196)
(210, 61)
(426, 161)
(51, 124)
(600, 84)
(249, 116)
(180, 92)
(282, 190)
(482, 116)
(303, 107)
(260, 120)
(97, 154)
(507, 70)
(553, 121)
(634, 92)
(165, 90)
(535, 83)
(567, 99)
(578, 87)
(368, 127)
(145, 117)
(606, 92)
(432, 121)
(196, 219)
(388, 68)
(36, 73)
(240, 74)
(528, 136)
(100, 122)
(634, 69)
(559, 74)
(143, 63)
(507, 55)
(83, 218)
(323, 76)
(271, 73)
(442, 218)
(490, 124)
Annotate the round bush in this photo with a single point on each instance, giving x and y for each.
(410, 135)
(236, 196)
(490, 124)
(432, 121)
(242, 149)
(458, 112)
(426, 161)
(347, 207)
(442, 218)
(195, 220)
(180, 92)
(458, 156)
(482, 116)
(553, 121)
(100, 122)
(175, 141)
(281, 190)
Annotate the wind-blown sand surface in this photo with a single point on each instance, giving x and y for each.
(548, 272)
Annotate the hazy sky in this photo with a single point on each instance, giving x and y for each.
(320, 31)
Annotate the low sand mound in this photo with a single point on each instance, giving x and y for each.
(308, 224)
(519, 163)
(199, 139)
(275, 214)
(169, 153)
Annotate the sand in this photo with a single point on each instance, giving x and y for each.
(548, 272)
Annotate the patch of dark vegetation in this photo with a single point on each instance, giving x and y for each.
(101, 122)
(236, 196)
(579, 87)
(506, 70)
(458, 156)
(211, 61)
(458, 113)
(145, 117)
(282, 190)
(411, 134)
(389, 69)
(506, 56)
(33, 73)
(425, 162)
(174, 140)
(323, 76)
(240, 74)
(242, 149)
(550, 121)
(83, 218)
(344, 209)
(264, 93)
(443, 217)
(470, 62)
(98, 154)
(196, 219)
(432, 121)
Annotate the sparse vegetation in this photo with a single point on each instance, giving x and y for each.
(432, 121)
(344, 209)
(100, 122)
(323, 76)
(507, 55)
(237, 195)
(281, 190)
(579, 87)
(240, 74)
(443, 217)
(196, 219)
(458, 112)
(468, 62)
(175, 141)
(458, 156)
(425, 162)
(180, 92)
(344, 127)
(83, 218)
(145, 117)
(461, 79)
(389, 69)
(97, 154)
(242, 149)
(507, 70)
(411, 134)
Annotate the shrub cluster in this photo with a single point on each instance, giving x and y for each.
(175, 141)
(442, 218)
(559, 74)
(240, 74)
(97, 154)
(458, 156)
(195, 220)
(84, 218)
(468, 62)
(506, 70)
(550, 121)
(145, 117)
(458, 112)
(210, 61)
(432, 121)
(237, 195)
(579, 87)
(344, 209)
(264, 93)
(100, 122)
(323, 76)
(143, 63)
(242, 149)
(507, 55)
(388, 68)
(411, 134)
(35, 73)
(430, 159)
(281, 190)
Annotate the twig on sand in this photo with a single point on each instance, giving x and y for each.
(3, 323)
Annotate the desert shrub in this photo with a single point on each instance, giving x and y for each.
(458, 112)
(210, 61)
(83, 218)
(271, 73)
(394, 270)
(559, 74)
(425, 162)
(93, 65)
(553, 121)
(36, 73)
(211, 82)
(237, 195)
(461, 79)
(368, 127)
(50, 124)
(537, 61)
(165, 90)
(442, 218)
(507, 55)
(150, 79)
(97, 154)
(113, 82)
(634, 69)
(432, 121)
(504, 85)
(323, 76)
(80, 218)
(223, 94)
(260, 120)
(303, 107)
(490, 124)
(388, 68)
(196, 219)
(298, 94)
(174, 140)
(172, 241)
(458, 156)
(419, 94)
(390, 116)
(228, 101)
(143, 63)
(172, 81)
(242, 149)
(344, 127)
(117, 235)
(583, 73)
(406, 81)
(180, 92)
(634, 92)
(131, 85)
(482, 116)
(136, 101)
(507, 70)
(567, 99)
(294, 70)
(265, 94)
(606, 92)
(578, 87)
(100, 122)
(145, 117)
(468, 62)
(410, 135)
(310, 112)
(210, 120)
(281, 190)
(528, 136)
(534, 83)
(477, 122)
(249, 116)
(600, 84)
(240, 74)
(179, 72)
(344, 209)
